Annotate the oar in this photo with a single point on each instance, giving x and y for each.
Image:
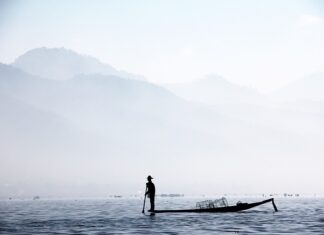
(274, 205)
(144, 201)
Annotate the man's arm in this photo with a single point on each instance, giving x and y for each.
(146, 190)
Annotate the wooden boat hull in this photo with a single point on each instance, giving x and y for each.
(236, 208)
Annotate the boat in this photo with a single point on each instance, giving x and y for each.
(238, 207)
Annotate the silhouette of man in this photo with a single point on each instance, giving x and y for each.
(150, 191)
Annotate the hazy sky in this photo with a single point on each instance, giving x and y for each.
(262, 44)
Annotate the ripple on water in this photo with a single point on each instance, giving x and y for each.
(123, 216)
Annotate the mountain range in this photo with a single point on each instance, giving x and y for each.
(309, 88)
(68, 119)
(62, 64)
(214, 89)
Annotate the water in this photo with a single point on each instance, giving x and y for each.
(123, 216)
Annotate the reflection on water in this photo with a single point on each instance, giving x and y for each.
(123, 216)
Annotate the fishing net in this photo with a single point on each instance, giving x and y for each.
(222, 202)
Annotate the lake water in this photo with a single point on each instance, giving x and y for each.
(123, 216)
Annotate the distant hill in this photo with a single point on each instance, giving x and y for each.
(132, 111)
(24, 123)
(118, 108)
(92, 127)
(309, 88)
(214, 89)
(62, 64)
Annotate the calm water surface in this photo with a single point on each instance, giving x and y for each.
(123, 216)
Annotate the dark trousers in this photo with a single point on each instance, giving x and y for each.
(152, 202)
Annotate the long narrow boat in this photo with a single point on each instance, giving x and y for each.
(236, 208)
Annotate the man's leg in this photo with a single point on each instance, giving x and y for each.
(152, 202)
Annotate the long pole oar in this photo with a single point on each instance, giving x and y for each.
(274, 205)
(144, 201)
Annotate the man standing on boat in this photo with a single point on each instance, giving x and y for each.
(150, 191)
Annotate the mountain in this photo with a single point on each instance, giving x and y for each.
(69, 135)
(63, 64)
(89, 129)
(131, 113)
(122, 110)
(309, 88)
(214, 89)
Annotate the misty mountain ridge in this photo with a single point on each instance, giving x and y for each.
(91, 127)
(309, 88)
(117, 107)
(102, 103)
(63, 64)
(214, 89)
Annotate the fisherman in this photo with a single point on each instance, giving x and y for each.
(150, 191)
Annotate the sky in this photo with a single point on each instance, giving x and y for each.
(259, 44)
